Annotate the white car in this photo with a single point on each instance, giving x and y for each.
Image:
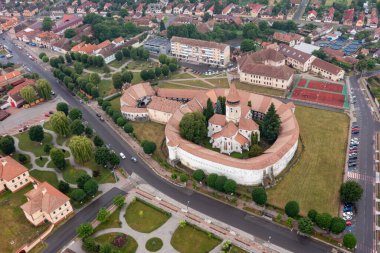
(347, 218)
(122, 156)
(348, 213)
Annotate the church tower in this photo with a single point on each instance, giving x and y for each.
(233, 107)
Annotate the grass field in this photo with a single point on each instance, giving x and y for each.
(235, 249)
(190, 239)
(105, 88)
(136, 78)
(15, 228)
(129, 247)
(181, 76)
(259, 89)
(144, 218)
(115, 103)
(35, 147)
(345, 2)
(220, 82)
(175, 86)
(45, 176)
(112, 222)
(41, 161)
(315, 179)
(71, 174)
(117, 64)
(141, 65)
(105, 176)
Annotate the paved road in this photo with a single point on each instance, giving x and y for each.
(66, 232)
(220, 211)
(365, 226)
(300, 10)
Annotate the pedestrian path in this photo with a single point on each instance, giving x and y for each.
(358, 176)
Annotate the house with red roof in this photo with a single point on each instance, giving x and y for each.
(13, 175)
(228, 9)
(211, 10)
(348, 17)
(255, 9)
(291, 39)
(360, 20)
(107, 6)
(46, 203)
(373, 20)
(9, 78)
(311, 15)
(330, 15)
(14, 97)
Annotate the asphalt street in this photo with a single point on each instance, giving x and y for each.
(257, 227)
(300, 10)
(365, 224)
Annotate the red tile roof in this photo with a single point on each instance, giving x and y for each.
(10, 168)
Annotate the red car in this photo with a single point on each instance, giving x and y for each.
(348, 223)
(47, 114)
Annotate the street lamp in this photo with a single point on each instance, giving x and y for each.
(269, 239)
(187, 206)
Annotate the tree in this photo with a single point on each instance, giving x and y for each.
(117, 81)
(91, 187)
(43, 88)
(312, 214)
(78, 195)
(82, 180)
(211, 180)
(128, 128)
(148, 146)
(76, 127)
(127, 76)
(88, 132)
(63, 187)
(157, 71)
(78, 67)
(229, 186)
(320, 54)
(63, 107)
(221, 108)
(45, 59)
(206, 17)
(69, 33)
(36, 133)
(255, 150)
(350, 192)
(361, 65)
(41, 55)
(28, 93)
(247, 45)
(114, 159)
(58, 158)
(172, 67)
(98, 142)
(270, 127)
(47, 24)
(102, 156)
(193, 127)
(85, 230)
(162, 58)
(103, 215)
(218, 107)
(308, 40)
(349, 240)
(60, 123)
(68, 58)
(323, 220)
(81, 148)
(119, 201)
(105, 248)
(183, 178)
(121, 121)
(199, 175)
(90, 244)
(259, 196)
(292, 209)
(119, 55)
(22, 158)
(337, 225)
(208, 112)
(75, 113)
(165, 70)
(47, 148)
(7, 145)
(219, 183)
(94, 78)
(305, 225)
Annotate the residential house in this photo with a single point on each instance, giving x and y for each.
(153, 8)
(227, 10)
(145, 21)
(87, 7)
(210, 11)
(71, 9)
(13, 175)
(158, 45)
(200, 51)
(376, 54)
(290, 39)
(267, 68)
(67, 21)
(296, 58)
(45, 39)
(30, 11)
(57, 12)
(227, 19)
(373, 20)
(107, 6)
(9, 78)
(311, 15)
(178, 9)
(327, 70)
(348, 17)
(188, 10)
(14, 96)
(8, 24)
(255, 9)
(376, 33)
(169, 8)
(46, 203)
(330, 15)
(295, 3)
(360, 20)
(200, 10)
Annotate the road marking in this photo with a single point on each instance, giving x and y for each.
(358, 176)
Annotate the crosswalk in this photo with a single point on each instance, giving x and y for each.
(358, 176)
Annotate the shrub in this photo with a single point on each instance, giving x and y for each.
(211, 180)
(78, 195)
(148, 146)
(323, 220)
(47, 148)
(350, 192)
(305, 226)
(121, 121)
(349, 240)
(183, 178)
(337, 225)
(292, 209)
(229, 186)
(259, 196)
(312, 214)
(63, 187)
(128, 128)
(22, 158)
(199, 175)
(219, 183)
(174, 176)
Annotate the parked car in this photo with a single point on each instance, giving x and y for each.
(122, 156)
(347, 218)
(348, 223)
(348, 213)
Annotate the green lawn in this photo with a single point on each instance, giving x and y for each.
(45, 176)
(315, 179)
(259, 89)
(145, 218)
(235, 249)
(115, 103)
(220, 82)
(105, 176)
(96, 70)
(174, 86)
(35, 147)
(136, 78)
(345, 2)
(112, 222)
(181, 76)
(105, 88)
(41, 161)
(15, 228)
(117, 64)
(71, 174)
(154, 244)
(196, 83)
(191, 239)
(129, 247)
(141, 65)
